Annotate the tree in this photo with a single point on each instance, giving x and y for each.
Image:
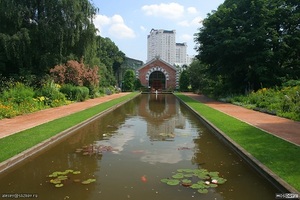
(184, 81)
(248, 45)
(129, 80)
(111, 57)
(202, 82)
(37, 35)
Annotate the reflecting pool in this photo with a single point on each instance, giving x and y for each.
(126, 153)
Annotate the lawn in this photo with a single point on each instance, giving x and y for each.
(281, 157)
(19, 142)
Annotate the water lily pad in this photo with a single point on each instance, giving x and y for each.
(173, 182)
(203, 176)
(203, 191)
(88, 181)
(164, 180)
(186, 181)
(213, 185)
(220, 180)
(69, 170)
(198, 179)
(85, 182)
(59, 185)
(62, 178)
(55, 181)
(185, 170)
(178, 175)
(76, 172)
(188, 175)
(198, 186)
(213, 174)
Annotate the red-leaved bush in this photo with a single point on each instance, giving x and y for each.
(75, 73)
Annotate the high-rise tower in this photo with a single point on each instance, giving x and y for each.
(162, 44)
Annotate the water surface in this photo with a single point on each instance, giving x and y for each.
(150, 138)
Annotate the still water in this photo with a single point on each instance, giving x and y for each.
(130, 150)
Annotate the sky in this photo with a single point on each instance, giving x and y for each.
(128, 22)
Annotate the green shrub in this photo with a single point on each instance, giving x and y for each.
(18, 93)
(50, 95)
(284, 102)
(108, 90)
(16, 100)
(82, 93)
(75, 93)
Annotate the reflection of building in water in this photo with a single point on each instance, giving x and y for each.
(163, 116)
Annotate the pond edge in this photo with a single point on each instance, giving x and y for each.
(264, 171)
(48, 143)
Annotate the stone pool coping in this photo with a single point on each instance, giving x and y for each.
(264, 171)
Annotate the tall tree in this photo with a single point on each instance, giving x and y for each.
(129, 80)
(184, 81)
(110, 56)
(249, 45)
(38, 34)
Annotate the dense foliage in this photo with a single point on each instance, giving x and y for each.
(19, 99)
(247, 45)
(284, 102)
(43, 45)
(129, 80)
(37, 35)
(184, 81)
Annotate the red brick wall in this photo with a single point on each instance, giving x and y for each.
(171, 83)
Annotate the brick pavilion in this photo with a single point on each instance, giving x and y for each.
(158, 75)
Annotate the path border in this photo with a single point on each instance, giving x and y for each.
(264, 171)
(48, 143)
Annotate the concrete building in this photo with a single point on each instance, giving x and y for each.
(161, 43)
(181, 55)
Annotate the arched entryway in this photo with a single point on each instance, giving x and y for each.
(157, 80)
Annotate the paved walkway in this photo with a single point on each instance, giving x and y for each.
(23, 122)
(286, 129)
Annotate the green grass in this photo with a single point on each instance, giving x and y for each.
(282, 157)
(19, 142)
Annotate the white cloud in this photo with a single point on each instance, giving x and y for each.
(197, 21)
(117, 19)
(143, 28)
(121, 31)
(184, 23)
(116, 26)
(186, 37)
(192, 10)
(100, 21)
(170, 11)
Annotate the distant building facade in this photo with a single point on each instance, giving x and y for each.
(158, 74)
(129, 63)
(181, 55)
(161, 43)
